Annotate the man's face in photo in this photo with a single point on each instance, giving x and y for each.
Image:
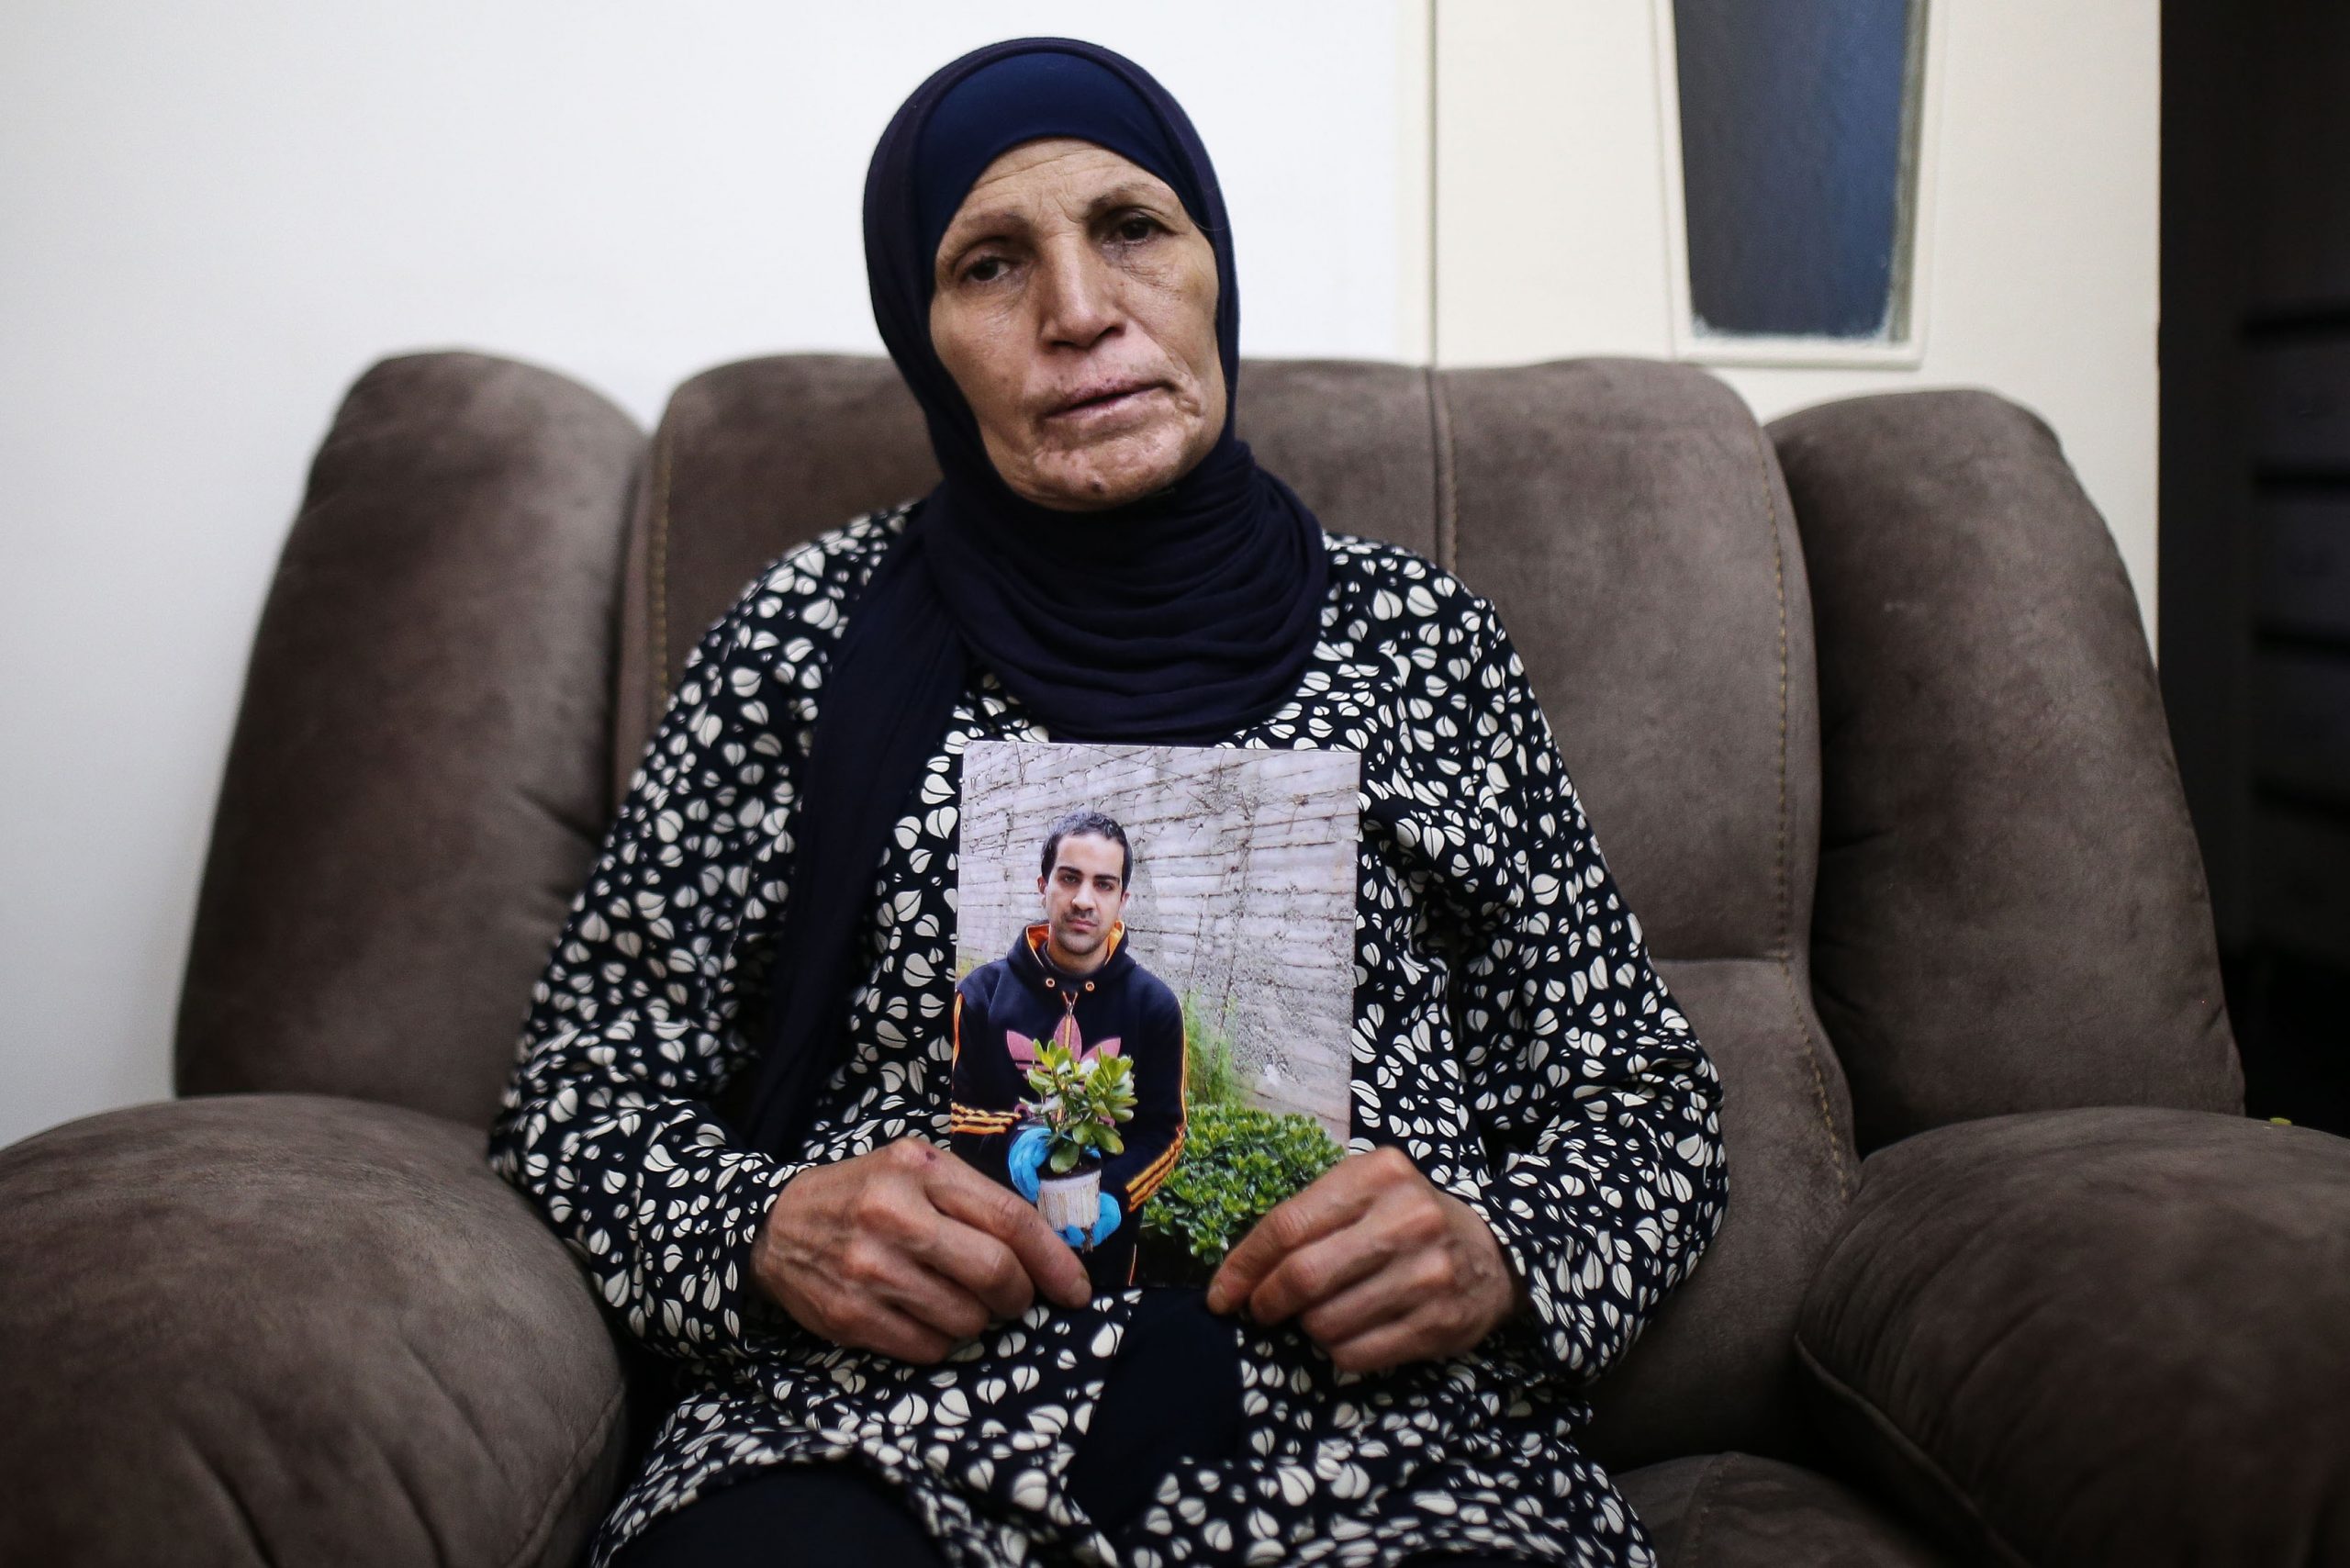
(1085, 895)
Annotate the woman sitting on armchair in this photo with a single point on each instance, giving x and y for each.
(734, 1087)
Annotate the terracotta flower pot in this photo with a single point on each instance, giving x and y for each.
(1072, 1199)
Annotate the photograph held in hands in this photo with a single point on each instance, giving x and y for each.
(1151, 1021)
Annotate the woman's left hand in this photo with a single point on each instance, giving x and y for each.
(1377, 1266)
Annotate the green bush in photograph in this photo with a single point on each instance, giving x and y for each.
(1237, 1162)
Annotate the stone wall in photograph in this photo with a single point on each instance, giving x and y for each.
(1243, 897)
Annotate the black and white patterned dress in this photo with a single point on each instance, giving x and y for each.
(1510, 1034)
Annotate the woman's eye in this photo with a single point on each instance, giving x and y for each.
(1134, 226)
(987, 269)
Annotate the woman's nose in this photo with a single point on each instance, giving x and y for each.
(1078, 295)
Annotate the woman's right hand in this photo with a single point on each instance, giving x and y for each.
(907, 1250)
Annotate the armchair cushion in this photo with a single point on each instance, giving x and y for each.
(2099, 1336)
(290, 1329)
(1737, 1510)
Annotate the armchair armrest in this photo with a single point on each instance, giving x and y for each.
(292, 1328)
(2097, 1336)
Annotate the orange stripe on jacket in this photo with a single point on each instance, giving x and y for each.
(1155, 1174)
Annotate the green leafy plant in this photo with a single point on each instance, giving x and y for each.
(1082, 1104)
(1237, 1162)
(1210, 1075)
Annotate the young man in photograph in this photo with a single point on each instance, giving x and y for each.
(1071, 980)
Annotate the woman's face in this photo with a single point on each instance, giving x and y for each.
(1075, 308)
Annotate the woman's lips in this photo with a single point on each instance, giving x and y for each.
(1107, 400)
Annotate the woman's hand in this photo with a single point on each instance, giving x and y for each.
(909, 1251)
(1377, 1266)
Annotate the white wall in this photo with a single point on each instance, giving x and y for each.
(214, 215)
(2042, 284)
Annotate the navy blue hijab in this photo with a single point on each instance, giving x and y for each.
(1177, 619)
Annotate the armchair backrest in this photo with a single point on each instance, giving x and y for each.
(416, 780)
(1629, 521)
(2012, 910)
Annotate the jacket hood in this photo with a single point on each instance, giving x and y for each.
(1040, 974)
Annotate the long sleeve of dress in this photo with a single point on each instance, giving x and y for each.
(637, 1023)
(1598, 1107)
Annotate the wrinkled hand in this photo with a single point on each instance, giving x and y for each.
(1377, 1266)
(1104, 1226)
(909, 1251)
(1027, 1153)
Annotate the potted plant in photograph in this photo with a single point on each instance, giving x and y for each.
(1080, 1102)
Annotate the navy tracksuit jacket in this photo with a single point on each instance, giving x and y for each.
(1006, 1010)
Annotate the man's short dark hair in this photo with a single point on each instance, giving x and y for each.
(1090, 823)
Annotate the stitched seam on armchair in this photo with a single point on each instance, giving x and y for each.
(1786, 897)
(582, 1459)
(1447, 471)
(1684, 1555)
(658, 554)
(1916, 1458)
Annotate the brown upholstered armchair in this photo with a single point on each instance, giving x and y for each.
(1860, 705)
